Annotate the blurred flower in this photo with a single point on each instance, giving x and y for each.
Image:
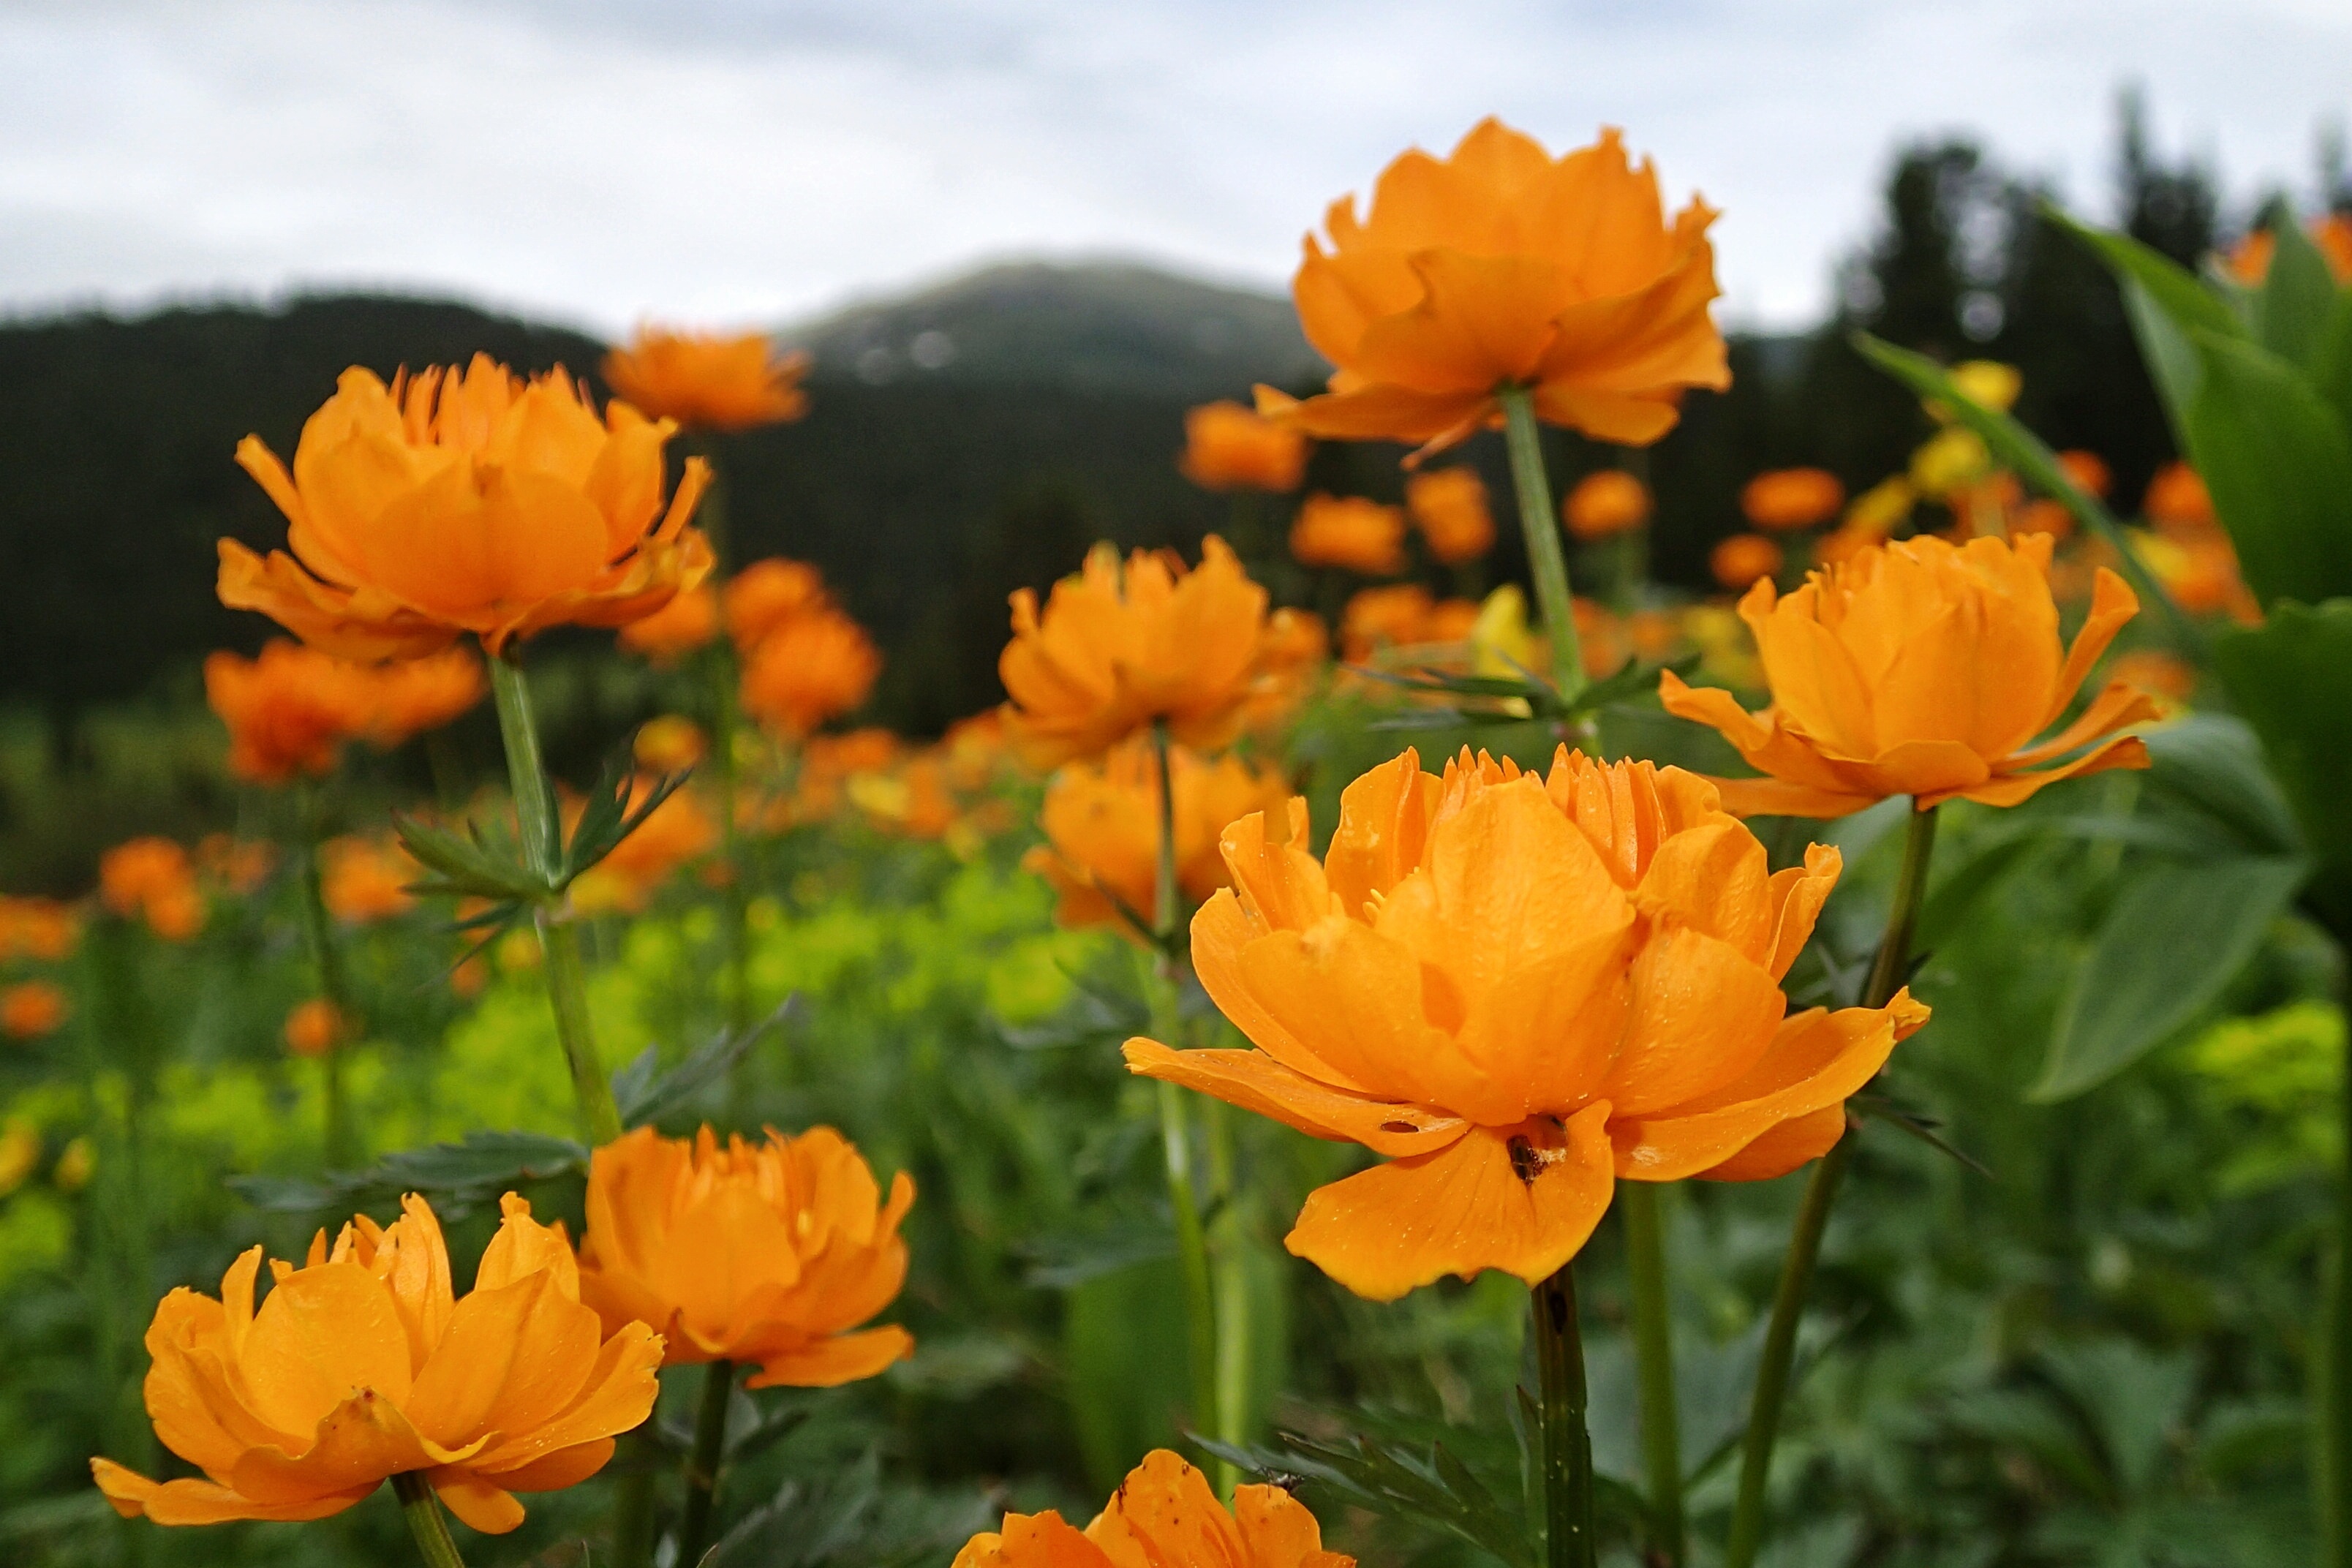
(1877, 511)
(2178, 502)
(20, 1153)
(152, 878)
(1164, 1516)
(1883, 672)
(668, 745)
(1984, 381)
(1101, 822)
(1230, 448)
(706, 382)
(1520, 990)
(767, 592)
(40, 928)
(1502, 643)
(2088, 472)
(32, 1008)
(1951, 460)
(1292, 650)
(1786, 499)
(1113, 652)
(1449, 506)
(1654, 634)
(688, 622)
(811, 668)
(314, 1027)
(866, 751)
(240, 865)
(467, 500)
(1605, 503)
(675, 832)
(1498, 267)
(1363, 536)
(769, 1253)
(2166, 676)
(1375, 618)
(365, 879)
(2250, 260)
(72, 1171)
(414, 695)
(287, 711)
(2199, 568)
(973, 748)
(361, 1365)
(2042, 515)
(1743, 559)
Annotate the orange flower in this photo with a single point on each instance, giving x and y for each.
(1101, 821)
(1230, 448)
(2043, 515)
(1604, 504)
(2178, 502)
(1113, 652)
(314, 1027)
(364, 880)
(810, 669)
(1920, 669)
(1519, 989)
(240, 865)
(705, 382)
(1164, 1516)
(1449, 506)
(1502, 267)
(152, 878)
(1375, 618)
(684, 624)
(1745, 558)
(32, 1008)
(2250, 263)
(1291, 653)
(669, 744)
(1786, 499)
(2198, 567)
(677, 830)
(766, 594)
(419, 694)
(467, 500)
(42, 929)
(768, 1253)
(2165, 676)
(973, 748)
(1350, 532)
(288, 711)
(362, 1365)
(2088, 472)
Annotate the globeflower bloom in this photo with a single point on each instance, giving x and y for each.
(152, 879)
(1449, 506)
(471, 500)
(1922, 668)
(362, 1364)
(313, 1027)
(810, 669)
(1744, 559)
(767, 592)
(1605, 504)
(1230, 448)
(363, 881)
(288, 711)
(687, 622)
(1519, 990)
(1101, 821)
(1116, 650)
(770, 1253)
(32, 1008)
(1164, 1516)
(707, 382)
(1350, 532)
(44, 929)
(414, 695)
(1502, 267)
(1786, 499)
(675, 831)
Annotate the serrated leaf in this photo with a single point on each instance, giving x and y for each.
(609, 818)
(2278, 460)
(642, 1093)
(464, 867)
(457, 1175)
(1434, 1490)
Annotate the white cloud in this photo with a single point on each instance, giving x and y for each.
(593, 159)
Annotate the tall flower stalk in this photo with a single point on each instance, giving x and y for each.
(1653, 1365)
(1547, 560)
(1567, 1444)
(426, 1522)
(1887, 977)
(334, 985)
(703, 1461)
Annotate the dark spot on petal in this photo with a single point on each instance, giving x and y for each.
(1398, 1127)
(1527, 1163)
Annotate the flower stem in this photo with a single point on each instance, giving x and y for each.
(1228, 1256)
(426, 1522)
(1546, 560)
(334, 984)
(1566, 1446)
(1887, 977)
(1175, 1123)
(559, 939)
(1653, 1355)
(703, 1464)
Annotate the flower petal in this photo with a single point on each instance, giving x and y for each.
(829, 1362)
(1257, 1082)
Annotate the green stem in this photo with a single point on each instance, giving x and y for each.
(1229, 1258)
(632, 1511)
(334, 985)
(426, 1520)
(1653, 1355)
(1886, 976)
(2331, 1451)
(541, 830)
(1566, 1446)
(1175, 1124)
(1546, 560)
(703, 1464)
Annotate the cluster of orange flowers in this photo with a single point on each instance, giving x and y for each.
(290, 710)
(803, 659)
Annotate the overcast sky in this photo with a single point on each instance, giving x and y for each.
(744, 161)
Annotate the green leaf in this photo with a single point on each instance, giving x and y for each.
(2175, 934)
(455, 1176)
(468, 867)
(643, 1094)
(2298, 296)
(2279, 463)
(2291, 680)
(608, 817)
(2164, 301)
(2213, 761)
(2330, 366)
(1397, 1481)
(2019, 449)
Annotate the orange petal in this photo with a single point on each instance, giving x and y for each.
(1482, 321)
(1623, 420)
(1277, 1529)
(554, 1472)
(1782, 1149)
(361, 1442)
(1257, 1082)
(2008, 789)
(1462, 1210)
(1380, 413)
(1383, 827)
(830, 1363)
(1164, 1513)
(2118, 705)
(206, 1502)
(1031, 1541)
(486, 1507)
(2112, 603)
